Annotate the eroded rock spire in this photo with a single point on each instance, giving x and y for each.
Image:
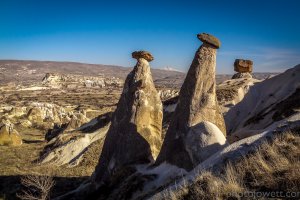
(135, 133)
(197, 103)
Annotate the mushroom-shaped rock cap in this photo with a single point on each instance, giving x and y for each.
(142, 54)
(209, 39)
(243, 66)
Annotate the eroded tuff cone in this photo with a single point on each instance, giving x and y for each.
(243, 66)
(209, 39)
(135, 133)
(142, 54)
(8, 135)
(197, 103)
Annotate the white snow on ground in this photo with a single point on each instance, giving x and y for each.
(232, 151)
(262, 96)
(165, 173)
(72, 151)
(93, 122)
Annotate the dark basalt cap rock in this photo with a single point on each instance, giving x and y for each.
(142, 54)
(243, 66)
(209, 39)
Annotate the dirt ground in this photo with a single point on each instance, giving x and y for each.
(16, 162)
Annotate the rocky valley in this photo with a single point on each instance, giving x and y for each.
(111, 132)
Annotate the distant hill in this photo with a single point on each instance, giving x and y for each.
(26, 72)
(31, 71)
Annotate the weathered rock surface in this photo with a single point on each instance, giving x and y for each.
(203, 140)
(209, 39)
(231, 92)
(267, 103)
(168, 94)
(197, 103)
(134, 136)
(45, 116)
(242, 75)
(142, 54)
(55, 80)
(40, 112)
(243, 66)
(68, 148)
(8, 135)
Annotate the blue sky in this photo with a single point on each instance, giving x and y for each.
(106, 32)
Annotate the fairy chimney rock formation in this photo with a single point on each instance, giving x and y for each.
(134, 136)
(197, 103)
(243, 68)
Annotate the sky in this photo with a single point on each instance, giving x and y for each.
(107, 32)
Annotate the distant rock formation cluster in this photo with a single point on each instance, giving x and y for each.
(243, 68)
(44, 116)
(55, 80)
(134, 136)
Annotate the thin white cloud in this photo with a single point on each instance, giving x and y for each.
(265, 59)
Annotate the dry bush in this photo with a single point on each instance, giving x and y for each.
(274, 166)
(36, 187)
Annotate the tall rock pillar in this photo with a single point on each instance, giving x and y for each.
(197, 103)
(135, 133)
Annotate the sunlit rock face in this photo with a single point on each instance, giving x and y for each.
(135, 133)
(203, 140)
(243, 68)
(197, 103)
(8, 135)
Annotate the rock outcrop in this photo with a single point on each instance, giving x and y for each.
(68, 148)
(243, 68)
(197, 103)
(54, 80)
(232, 91)
(8, 135)
(166, 94)
(242, 75)
(266, 104)
(134, 136)
(209, 39)
(46, 116)
(203, 140)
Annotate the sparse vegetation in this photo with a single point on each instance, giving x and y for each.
(36, 187)
(274, 167)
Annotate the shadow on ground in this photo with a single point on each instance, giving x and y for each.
(10, 186)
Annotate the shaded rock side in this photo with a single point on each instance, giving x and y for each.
(9, 136)
(135, 133)
(241, 75)
(197, 102)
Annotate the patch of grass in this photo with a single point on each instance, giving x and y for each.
(274, 166)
